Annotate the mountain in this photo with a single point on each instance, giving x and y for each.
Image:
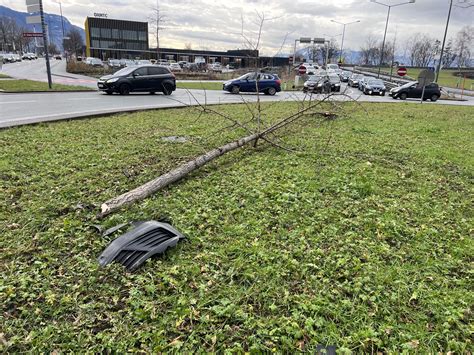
(52, 20)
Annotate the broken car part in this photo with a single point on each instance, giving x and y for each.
(134, 247)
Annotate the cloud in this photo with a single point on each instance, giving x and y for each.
(218, 25)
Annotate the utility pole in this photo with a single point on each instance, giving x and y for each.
(62, 22)
(386, 27)
(444, 41)
(343, 35)
(45, 43)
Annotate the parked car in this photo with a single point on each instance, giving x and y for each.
(215, 67)
(317, 84)
(8, 58)
(354, 80)
(413, 90)
(334, 67)
(363, 81)
(175, 67)
(375, 87)
(127, 62)
(114, 63)
(58, 57)
(323, 83)
(145, 78)
(231, 66)
(345, 75)
(16, 57)
(183, 64)
(269, 84)
(29, 56)
(143, 62)
(95, 62)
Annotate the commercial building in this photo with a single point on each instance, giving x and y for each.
(117, 39)
(109, 38)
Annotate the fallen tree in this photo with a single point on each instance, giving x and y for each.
(183, 170)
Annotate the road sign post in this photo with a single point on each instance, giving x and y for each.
(402, 71)
(32, 34)
(45, 41)
(425, 78)
(302, 70)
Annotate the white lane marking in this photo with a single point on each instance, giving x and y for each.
(16, 102)
(83, 98)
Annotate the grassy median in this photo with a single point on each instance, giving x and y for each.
(4, 76)
(362, 241)
(200, 85)
(22, 85)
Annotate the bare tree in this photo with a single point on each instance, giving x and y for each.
(157, 18)
(370, 51)
(11, 36)
(188, 46)
(52, 48)
(449, 55)
(464, 44)
(422, 49)
(74, 44)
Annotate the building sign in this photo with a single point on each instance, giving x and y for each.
(100, 14)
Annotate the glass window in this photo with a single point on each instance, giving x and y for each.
(106, 32)
(95, 32)
(157, 71)
(141, 72)
(131, 35)
(95, 43)
(142, 36)
(116, 33)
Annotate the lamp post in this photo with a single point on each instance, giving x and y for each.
(467, 5)
(62, 21)
(386, 26)
(343, 34)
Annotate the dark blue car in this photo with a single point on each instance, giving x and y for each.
(269, 84)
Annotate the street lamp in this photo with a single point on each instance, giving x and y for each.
(465, 6)
(343, 34)
(62, 21)
(386, 27)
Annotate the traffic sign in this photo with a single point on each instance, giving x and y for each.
(31, 20)
(290, 58)
(402, 71)
(32, 34)
(426, 77)
(32, 8)
(302, 70)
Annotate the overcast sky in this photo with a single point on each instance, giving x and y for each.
(214, 24)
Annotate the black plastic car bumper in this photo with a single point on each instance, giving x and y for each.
(103, 86)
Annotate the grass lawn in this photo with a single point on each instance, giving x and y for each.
(446, 78)
(363, 242)
(200, 85)
(30, 85)
(4, 76)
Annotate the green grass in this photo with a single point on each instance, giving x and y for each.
(364, 241)
(29, 85)
(4, 76)
(446, 78)
(200, 85)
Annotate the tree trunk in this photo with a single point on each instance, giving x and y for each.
(172, 176)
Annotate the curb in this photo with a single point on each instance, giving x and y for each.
(44, 92)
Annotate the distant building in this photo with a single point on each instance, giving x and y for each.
(109, 38)
(117, 39)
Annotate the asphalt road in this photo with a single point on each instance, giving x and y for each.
(36, 70)
(26, 108)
